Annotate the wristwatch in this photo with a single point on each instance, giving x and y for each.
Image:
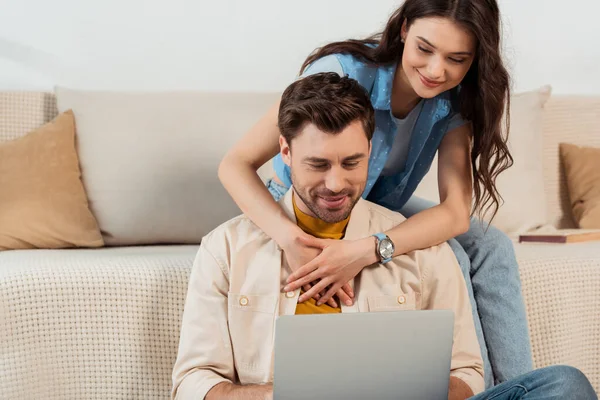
(385, 247)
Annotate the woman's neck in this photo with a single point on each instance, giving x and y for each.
(404, 98)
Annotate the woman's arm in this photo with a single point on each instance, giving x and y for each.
(237, 172)
(340, 261)
(452, 216)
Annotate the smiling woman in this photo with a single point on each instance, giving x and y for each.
(437, 83)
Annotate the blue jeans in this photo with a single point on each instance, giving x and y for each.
(551, 383)
(489, 266)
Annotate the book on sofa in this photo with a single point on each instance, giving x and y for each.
(562, 236)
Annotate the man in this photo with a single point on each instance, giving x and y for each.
(234, 293)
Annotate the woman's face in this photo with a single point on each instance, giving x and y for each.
(437, 55)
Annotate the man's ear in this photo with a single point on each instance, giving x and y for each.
(285, 150)
(370, 148)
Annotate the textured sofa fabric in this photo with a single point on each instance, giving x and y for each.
(91, 323)
(104, 323)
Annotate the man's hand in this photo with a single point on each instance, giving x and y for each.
(458, 390)
(337, 264)
(302, 250)
(229, 391)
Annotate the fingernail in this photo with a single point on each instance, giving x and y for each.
(319, 303)
(348, 302)
(286, 288)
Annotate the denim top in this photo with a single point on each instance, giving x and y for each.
(437, 116)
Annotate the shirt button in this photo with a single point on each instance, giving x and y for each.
(243, 301)
(401, 299)
(289, 295)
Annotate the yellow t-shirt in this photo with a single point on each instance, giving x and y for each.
(321, 229)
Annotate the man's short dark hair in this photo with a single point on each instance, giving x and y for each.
(327, 100)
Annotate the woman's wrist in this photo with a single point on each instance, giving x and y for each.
(369, 246)
(288, 235)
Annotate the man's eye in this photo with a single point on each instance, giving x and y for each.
(318, 166)
(353, 164)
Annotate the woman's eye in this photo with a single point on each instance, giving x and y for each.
(424, 50)
(454, 60)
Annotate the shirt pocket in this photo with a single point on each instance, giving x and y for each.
(251, 328)
(396, 302)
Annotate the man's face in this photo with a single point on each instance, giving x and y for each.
(329, 171)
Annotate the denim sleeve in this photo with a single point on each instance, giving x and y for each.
(456, 121)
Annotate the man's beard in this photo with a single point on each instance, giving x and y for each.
(324, 214)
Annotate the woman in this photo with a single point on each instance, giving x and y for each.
(437, 83)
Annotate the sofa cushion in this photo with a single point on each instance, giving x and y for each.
(582, 169)
(149, 160)
(567, 119)
(91, 323)
(560, 287)
(42, 200)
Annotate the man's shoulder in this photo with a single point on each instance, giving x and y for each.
(232, 235)
(382, 217)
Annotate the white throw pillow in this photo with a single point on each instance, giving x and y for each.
(522, 185)
(149, 160)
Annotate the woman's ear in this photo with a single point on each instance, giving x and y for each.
(286, 152)
(403, 32)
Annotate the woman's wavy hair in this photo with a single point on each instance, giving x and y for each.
(484, 96)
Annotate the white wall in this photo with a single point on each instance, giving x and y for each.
(231, 45)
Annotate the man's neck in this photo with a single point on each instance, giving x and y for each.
(317, 227)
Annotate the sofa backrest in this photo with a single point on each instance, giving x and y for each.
(571, 119)
(567, 119)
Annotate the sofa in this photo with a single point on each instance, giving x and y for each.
(103, 323)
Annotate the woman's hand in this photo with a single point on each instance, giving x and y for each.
(339, 262)
(302, 250)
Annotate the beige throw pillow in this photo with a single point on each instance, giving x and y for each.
(522, 185)
(582, 169)
(42, 200)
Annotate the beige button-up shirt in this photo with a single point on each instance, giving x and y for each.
(234, 296)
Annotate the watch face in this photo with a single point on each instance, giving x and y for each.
(386, 248)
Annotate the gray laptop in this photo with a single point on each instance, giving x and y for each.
(379, 355)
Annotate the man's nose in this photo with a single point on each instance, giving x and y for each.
(335, 180)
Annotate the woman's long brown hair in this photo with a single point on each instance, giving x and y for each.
(484, 97)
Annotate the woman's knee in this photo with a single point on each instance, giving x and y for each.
(486, 239)
(570, 382)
